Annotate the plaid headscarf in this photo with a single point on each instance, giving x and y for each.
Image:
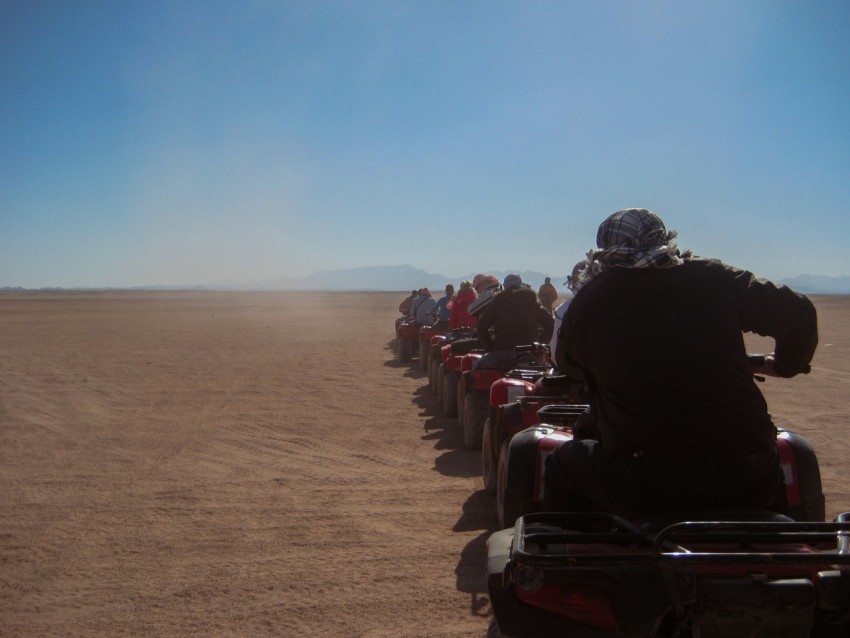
(632, 238)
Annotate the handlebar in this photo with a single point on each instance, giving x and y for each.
(765, 365)
(535, 347)
(762, 363)
(757, 360)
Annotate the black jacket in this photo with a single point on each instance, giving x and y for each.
(663, 354)
(517, 319)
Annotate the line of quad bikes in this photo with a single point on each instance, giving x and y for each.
(594, 574)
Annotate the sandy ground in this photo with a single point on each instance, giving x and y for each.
(258, 464)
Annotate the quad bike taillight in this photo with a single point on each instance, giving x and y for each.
(579, 604)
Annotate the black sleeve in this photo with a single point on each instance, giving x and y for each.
(565, 363)
(483, 327)
(779, 312)
(544, 317)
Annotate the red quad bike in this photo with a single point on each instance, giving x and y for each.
(463, 342)
(436, 342)
(407, 335)
(436, 357)
(701, 574)
(467, 363)
(426, 334)
(514, 404)
(522, 457)
(531, 362)
(434, 360)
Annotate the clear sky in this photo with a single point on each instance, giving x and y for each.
(179, 141)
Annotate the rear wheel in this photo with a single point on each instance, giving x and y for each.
(433, 363)
(405, 349)
(490, 446)
(461, 398)
(423, 355)
(475, 407)
(501, 484)
(508, 506)
(438, 381)
(449, 395)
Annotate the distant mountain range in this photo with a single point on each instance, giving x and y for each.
(378, 278)
(819, 284)
(407, 277)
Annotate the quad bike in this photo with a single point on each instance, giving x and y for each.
(407, 335)
(700, 574)
(467, 364)
(452, 354)
(462, 340)
(710, 575)
(434, 359)
(426, 334)
(519, 473)
(530, 363)
(515, 401)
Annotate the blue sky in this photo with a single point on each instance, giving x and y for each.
(176, 142)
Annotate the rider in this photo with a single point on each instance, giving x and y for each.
(459, 306)
(516, 318)
(404, 306)
(547, 294)
(657, 336)
(486, 287)
(574, 284)
(442, 309)
(422, 308)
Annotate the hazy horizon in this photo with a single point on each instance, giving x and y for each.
(164, 143)
(401, 278)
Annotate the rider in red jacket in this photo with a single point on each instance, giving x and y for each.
(460, 317)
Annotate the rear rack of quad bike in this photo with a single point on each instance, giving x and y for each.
(528, 372)
(597, 539)
(564, 414)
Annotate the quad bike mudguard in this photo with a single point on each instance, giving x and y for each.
(525, 479)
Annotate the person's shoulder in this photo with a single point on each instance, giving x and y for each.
(708, 263)
(525, 294)
(710, 267)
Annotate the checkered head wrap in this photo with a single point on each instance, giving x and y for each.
(633, 238)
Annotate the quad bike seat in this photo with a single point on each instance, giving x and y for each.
(464, 346)
(557, 381)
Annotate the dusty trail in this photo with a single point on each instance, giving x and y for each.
(258, 464)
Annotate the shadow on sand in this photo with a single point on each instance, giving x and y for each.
(479, 513)
(479, 510)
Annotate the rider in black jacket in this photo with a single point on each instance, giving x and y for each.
(516, 319)
(658, 338)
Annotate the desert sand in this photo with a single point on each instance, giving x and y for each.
(259, 464)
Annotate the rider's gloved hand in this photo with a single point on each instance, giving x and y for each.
(766, 366)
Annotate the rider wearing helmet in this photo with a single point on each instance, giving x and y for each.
(486, 287)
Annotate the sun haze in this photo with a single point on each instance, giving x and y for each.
(181, 143)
